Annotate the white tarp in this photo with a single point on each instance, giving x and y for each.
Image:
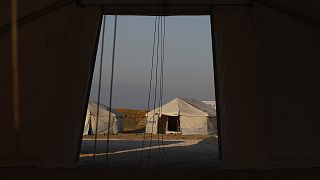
(116, 122)
(195, 117)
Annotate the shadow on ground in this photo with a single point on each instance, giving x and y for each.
(175, 168)
(163, 154)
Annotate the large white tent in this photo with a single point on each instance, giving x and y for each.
(187, 116)
(116, 122)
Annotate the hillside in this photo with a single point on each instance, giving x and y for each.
(134, 120)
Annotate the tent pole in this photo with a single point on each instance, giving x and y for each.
(95, 50)
(216, 82)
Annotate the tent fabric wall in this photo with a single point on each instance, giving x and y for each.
(194, 125)
(241, 78)
(87, 124)
(152, 124)
(56, 51)
(212, 125)
(268, 75)
(116, 121)
(102, 125)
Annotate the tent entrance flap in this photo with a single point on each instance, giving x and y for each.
(162, 124)
(173, 123)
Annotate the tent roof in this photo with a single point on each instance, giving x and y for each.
(103, 110)
(211, 103)
(185, 107)
(307, 11)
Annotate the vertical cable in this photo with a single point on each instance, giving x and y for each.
(111, 84)
(99, 92)
(155, 92)
(162, 36)
(158, 44)
(160, 85)
(162, 78)
(150, 86)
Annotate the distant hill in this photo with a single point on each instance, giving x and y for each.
(134, 120)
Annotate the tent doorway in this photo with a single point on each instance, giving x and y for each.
(168, 124)
(131, 95)
(173, 124)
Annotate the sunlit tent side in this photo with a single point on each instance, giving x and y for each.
(116, 122)
(182, 115)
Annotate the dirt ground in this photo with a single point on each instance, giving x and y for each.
(137, 136)
(171, 152)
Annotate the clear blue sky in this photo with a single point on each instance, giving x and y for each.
(187, 68)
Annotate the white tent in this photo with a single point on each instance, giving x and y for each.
(116, 122)
(211, 103)
(187, 116)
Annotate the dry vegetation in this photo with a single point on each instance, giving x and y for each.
(134, 120)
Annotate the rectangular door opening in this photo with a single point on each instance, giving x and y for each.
(173, 124)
